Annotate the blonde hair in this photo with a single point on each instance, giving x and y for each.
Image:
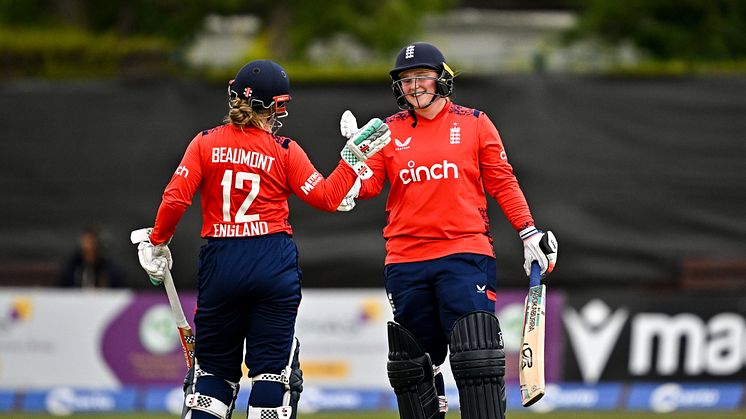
(241, 114)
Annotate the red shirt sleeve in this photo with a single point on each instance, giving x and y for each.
(371, 187)
(178, 194)
(499, 180)
(311, 187)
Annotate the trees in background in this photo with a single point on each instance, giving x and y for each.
(669, 29)
(290, 25)
(37, 37)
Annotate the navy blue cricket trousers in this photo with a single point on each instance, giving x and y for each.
(249, 290)
(428, 297)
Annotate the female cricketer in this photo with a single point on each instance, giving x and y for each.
(249, 282)
(440, 271)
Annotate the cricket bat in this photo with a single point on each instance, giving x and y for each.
(185, 331)
(531, 373)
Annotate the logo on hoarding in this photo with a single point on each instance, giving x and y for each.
(64, 402)
(18, 310)
(338, 324)
(370, 310)
(714, 347)
(593, 334)
(669, 397)
(317, 399)
(579, 397)
(660, 344)
(157, 332)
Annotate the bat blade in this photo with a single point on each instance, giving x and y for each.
(531, 373)
(187, 344)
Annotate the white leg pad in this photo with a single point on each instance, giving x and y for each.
(207, 404)
(282, 412)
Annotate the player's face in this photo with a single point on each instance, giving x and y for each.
(418, 86)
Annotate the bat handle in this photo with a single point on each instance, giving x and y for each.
(534, 278)
(173, 299)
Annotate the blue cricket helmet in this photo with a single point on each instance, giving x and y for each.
(263, 83)
(421, 55)
(417, 55)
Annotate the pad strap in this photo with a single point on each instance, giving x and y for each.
(442, 400)
(197, 401)
(283, 377)
(282, 412)
(207, 404)
(442, 404)
(291, 377)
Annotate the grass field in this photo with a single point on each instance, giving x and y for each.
(453, 415)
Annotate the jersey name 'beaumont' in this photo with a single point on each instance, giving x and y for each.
(241, 156)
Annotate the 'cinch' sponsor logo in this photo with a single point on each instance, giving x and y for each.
(437, 171)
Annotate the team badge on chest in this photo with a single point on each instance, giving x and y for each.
(455, 134)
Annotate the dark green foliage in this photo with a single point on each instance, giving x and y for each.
(383, 25)
(669, 29)
(380, 24)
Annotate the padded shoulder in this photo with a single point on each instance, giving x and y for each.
(463, 110)
(399, 116)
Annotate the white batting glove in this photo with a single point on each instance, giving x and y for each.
(155, 260)
(348, 124)
(540, 247)
(363, 143)
(348, 203)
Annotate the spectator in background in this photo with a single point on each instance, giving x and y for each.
(89, 266)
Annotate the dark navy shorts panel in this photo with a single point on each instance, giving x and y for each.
(248, 289)
(429, 296)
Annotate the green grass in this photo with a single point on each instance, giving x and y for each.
(453, 415)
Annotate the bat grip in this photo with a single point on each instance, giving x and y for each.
(534, 278)
(173, 300)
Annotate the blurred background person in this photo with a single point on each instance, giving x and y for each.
(89, 266)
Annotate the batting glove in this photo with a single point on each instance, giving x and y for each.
(540, 247)
(155, 260)
(348, 124)
(363, 143)
(348, 203)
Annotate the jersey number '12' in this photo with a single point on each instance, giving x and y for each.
(241, 178)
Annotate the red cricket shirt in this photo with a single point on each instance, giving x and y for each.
(438, 172)
(245, 177)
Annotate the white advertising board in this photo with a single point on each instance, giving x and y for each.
(52, 337)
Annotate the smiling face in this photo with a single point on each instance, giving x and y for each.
(419, 86)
